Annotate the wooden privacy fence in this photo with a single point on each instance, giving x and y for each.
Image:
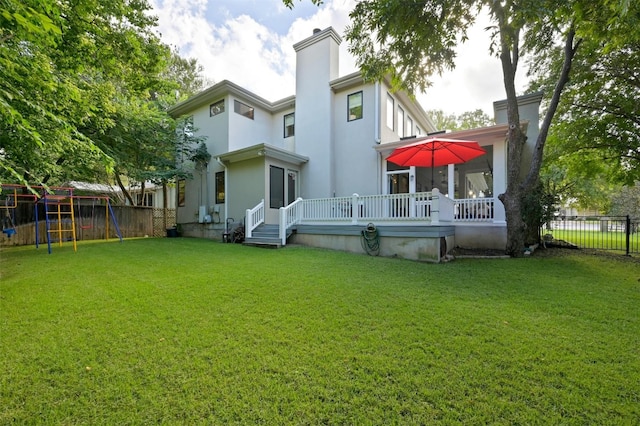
(90, 224)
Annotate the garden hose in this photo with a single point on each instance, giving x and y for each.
(370, 240)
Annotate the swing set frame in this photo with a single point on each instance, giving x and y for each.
(59, 208)
(9, 219)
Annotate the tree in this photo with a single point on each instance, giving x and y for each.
(466, 120)
(411, 40)
(626, 202)
(187, 73)
(63, 67)
(598, 119)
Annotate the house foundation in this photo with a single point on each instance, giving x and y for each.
(421, 243)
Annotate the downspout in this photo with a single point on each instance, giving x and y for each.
(206, 188)
(376, 130)
(226, 186)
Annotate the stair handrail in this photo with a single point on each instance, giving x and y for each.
(253, 218)
(289, 216)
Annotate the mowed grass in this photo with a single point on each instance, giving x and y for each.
(189, 331)
(616, 241)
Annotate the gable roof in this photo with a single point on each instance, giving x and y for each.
(226, 87)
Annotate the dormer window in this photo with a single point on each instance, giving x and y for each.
(243, 109)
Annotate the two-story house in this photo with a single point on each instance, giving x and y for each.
(328, 142)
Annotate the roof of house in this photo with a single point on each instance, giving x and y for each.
(482, 135)
(263, 150)
(92, 187)
(227, 87)
(224, 88)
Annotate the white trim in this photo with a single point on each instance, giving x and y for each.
(316, 37)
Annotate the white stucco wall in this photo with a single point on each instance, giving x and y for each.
(316, 66)
(277, 138)
(245, 186)
(245, 132)
(201, 189)
(354, 159)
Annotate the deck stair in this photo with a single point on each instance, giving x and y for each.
(266, 236)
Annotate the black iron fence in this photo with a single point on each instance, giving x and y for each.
(616, 233)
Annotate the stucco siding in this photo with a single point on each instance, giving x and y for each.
(316, 66)
(355, 159)
(245, 187)
(245, 132)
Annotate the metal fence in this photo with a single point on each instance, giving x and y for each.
(616, 233)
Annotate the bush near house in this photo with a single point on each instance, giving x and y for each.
(189, 331)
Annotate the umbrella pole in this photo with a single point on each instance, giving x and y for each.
(432, 167)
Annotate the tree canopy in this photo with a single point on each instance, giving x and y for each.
(83, 90)
(596, 133)
(466, 120)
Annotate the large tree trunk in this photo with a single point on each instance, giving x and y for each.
(515, 224)
(123, 189)
(516, 139)
(536, 162)
(512, 198)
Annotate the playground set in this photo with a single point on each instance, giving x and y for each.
(62, 212)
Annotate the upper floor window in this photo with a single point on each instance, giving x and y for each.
(418, 131)
(242, 109)
(216, 108)
(289, 125)
(409, 126)
(400, 122)
(390, 108)
(354, 106)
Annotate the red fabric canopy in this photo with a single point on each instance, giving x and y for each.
(436, 152)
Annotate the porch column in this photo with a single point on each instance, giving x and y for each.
(435, 206)
(451, 184)
(499, 180)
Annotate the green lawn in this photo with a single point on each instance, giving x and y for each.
(589, 235)
(188, 331)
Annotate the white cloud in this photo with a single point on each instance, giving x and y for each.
(241, 48)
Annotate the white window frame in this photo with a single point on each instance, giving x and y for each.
(390, 111)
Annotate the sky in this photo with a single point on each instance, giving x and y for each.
(250, 42)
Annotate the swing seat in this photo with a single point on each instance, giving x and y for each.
(9, 232)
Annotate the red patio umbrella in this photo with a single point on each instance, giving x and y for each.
(436, 152)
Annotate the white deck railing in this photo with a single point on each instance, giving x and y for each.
(427, 207)
(289, 216)
(253, 218)
(423, 206)
(474, 209)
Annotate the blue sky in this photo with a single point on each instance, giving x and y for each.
(250, 42)
(270, 13)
